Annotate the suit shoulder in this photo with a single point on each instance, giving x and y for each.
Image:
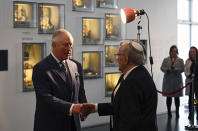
(42, 63)
(141, 73)
(141, 69)
(76, 62)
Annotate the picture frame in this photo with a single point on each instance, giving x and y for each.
(24, 14)
(83, 5)
(110, 57)
(50, 17)
(92, 64)
(113, 27)
(111, 80)
(92, 31)
(32, 54)
(107, 4)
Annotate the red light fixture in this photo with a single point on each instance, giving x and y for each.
(129, 14)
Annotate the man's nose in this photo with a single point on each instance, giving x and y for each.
(69, 48)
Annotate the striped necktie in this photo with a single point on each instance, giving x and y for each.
(66, 71)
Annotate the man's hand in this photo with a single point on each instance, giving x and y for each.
(83, 109)
(87, 108)
(77, 108)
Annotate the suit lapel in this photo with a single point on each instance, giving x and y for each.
(112, 96)
(56, 67)
(122, 84)
(73, 69)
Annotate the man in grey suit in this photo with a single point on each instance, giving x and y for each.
(59, 87)
(134, 99)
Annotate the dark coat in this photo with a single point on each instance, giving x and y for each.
(134, 105)
(54, 96)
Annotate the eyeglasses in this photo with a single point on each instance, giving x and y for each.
(116, 55)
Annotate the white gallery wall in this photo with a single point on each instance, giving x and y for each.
(17, 107)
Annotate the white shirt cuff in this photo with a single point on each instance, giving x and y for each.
(70, 110)
(96, 107)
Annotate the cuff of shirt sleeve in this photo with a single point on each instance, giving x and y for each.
(96, 107)
(70, 110)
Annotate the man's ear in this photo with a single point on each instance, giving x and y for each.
(126, 59)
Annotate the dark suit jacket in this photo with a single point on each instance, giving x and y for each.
(134, 105)
(54, 96)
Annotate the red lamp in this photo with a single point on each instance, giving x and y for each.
(129, 14)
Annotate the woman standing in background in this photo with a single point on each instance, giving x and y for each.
(172, 67)
(189, 69)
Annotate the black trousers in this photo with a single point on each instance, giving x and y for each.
(73, 126)
(169, 103)
(190, 98)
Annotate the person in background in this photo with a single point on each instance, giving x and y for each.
(172, 66)
(59, 87)
(189, 69)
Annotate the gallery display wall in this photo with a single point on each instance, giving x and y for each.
(25, 32)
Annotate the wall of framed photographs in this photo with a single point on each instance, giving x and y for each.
(97, 31)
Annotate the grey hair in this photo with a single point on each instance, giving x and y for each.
(136, 56)
(57, 33)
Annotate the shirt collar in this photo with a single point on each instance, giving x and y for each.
(125, 76)
(57, 60)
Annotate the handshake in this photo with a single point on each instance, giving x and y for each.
(84, 109)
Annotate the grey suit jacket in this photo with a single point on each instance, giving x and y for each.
(54, 96)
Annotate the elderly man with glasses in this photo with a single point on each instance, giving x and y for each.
(134, 99)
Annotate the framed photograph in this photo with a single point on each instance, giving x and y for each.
(83, 5)
(110, 57)
(111, 80)
(32, 54)
(92, 31)
(113, 27)
(24, 14)
(92, 64)
(107, 3)
(51, 17)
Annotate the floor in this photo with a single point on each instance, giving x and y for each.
(164, 124)
(174, 124)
